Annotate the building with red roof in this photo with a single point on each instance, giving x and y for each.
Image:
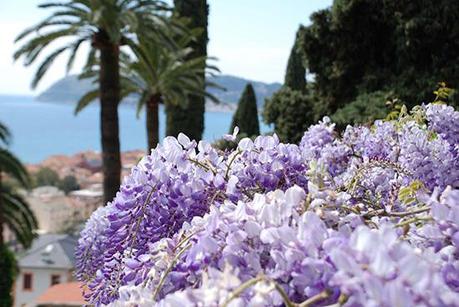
(62, 295)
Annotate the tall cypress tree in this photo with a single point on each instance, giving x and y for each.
(291, 109)
(190, 119)
(246, 115)
(295, 75)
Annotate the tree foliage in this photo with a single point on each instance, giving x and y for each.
(17, 215)
(106, 26)
(14, 210)
(8, 267)
(5, 134)
(291, 112)
(68, 184)
(96, 23)
(46, 177)
(295, 75)
(190, 118)
(14, 213)
(366, 108)
(246, 115)
(363, 46)
(291, 109)
(170, 77)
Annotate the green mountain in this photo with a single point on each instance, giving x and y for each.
(70, 89)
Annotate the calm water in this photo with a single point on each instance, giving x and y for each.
(42, 129)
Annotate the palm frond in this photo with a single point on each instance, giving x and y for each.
(55, 4)
(43, 40)
(210, 84)
(90, 74)
(142, 102)
(44, 66)
(78, 6)
(74, 51)
(86, 100)
(91, 59)
(44, 24)
(10, 165)
(18, 215)
(5, 135)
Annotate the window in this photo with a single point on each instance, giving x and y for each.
(55, 279)
(27, 281)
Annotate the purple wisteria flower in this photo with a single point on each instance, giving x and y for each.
(366, 218)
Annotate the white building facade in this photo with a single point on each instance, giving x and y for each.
(49, 261)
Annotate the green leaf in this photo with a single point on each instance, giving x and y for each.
(18, 215)
(73, 52)
(5, 135)
(86, 100)
(43, 40)
(142, 102)
(10, 165)
(43, 68)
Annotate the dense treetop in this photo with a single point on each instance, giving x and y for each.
(361, 46)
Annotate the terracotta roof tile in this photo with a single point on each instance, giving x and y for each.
(63, 294)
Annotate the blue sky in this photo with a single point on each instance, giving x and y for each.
(251, 39)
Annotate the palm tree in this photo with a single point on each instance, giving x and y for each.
(162, 76)
(14, 213)
(105, 25)
(14, 210)
(158, 75)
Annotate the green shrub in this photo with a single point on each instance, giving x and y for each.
(366, 108)
(46, 176)
(69, 184)
(291, 112)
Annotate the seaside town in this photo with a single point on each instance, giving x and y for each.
(68, 189)
(56, 206)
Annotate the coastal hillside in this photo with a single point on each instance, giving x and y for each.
(70, 89)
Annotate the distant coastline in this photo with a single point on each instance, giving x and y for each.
(43, 129)
(70, 89)
(210, 105)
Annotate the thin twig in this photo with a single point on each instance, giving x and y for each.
(407, 213)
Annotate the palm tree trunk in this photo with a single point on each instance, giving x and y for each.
(152, 121)
(109, 99)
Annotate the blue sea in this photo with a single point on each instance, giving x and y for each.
(42, 129)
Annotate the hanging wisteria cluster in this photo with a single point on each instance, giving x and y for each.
(368, 217)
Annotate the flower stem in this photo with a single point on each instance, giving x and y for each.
(413, 220)
(238, 291)
(169, 269)
(314, 299)
(251, 282)
(231, 162)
